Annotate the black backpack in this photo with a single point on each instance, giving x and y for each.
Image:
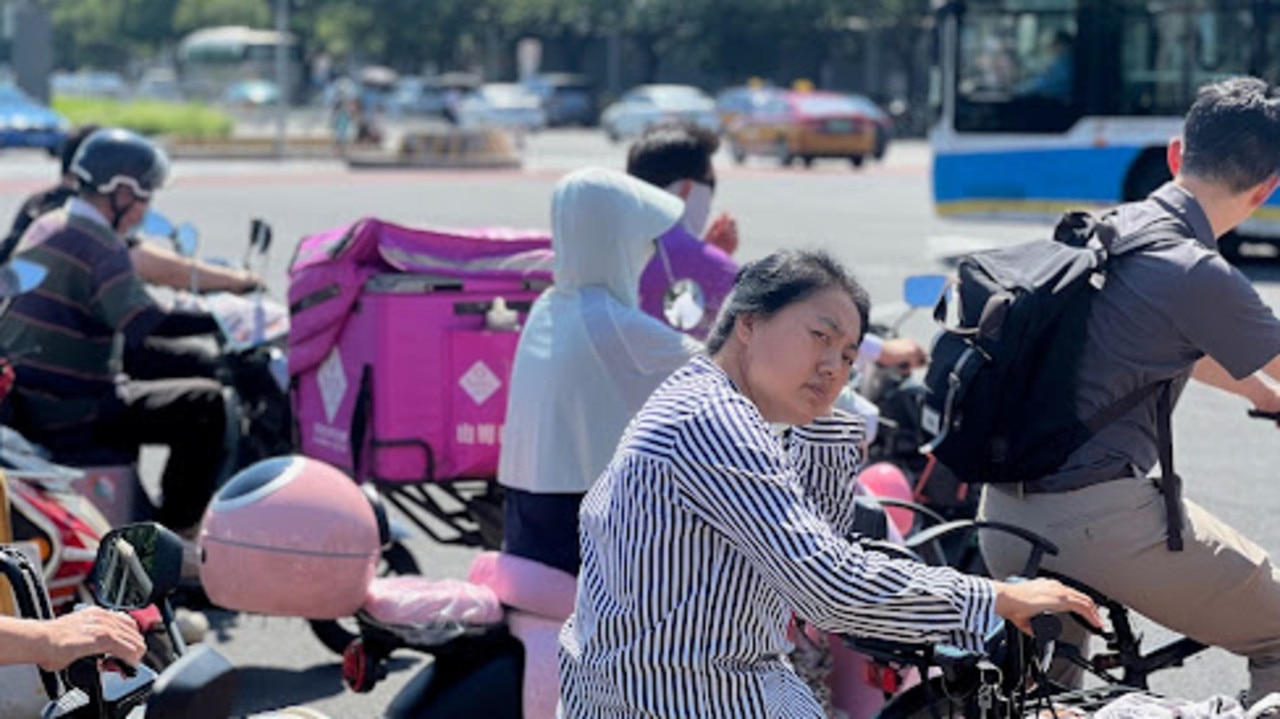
(1001, 382)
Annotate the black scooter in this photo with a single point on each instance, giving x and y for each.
(136, 566)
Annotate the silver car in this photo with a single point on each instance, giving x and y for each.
(647, 105)
(506, 106)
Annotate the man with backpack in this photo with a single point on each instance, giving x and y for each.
(1169, 308)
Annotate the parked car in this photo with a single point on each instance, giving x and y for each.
(251, 93)
(648, 105)
(883, 120)
(415, 96)
(160, 83)
(26, 123)
(89, 83)
(805, 125)
(732, 102)
(502, 105)
(568, 99)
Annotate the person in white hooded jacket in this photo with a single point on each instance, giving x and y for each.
(587, 360)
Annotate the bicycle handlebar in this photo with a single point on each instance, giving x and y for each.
(1260, 414)
(1039, 545)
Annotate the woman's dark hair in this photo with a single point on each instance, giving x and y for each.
(766, 286)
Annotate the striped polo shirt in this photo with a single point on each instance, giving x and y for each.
(702, 538)
(62, 333)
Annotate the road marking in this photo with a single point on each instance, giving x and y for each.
(259, 177)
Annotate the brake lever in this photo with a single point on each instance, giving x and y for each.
(1262, 414)
(115, 664)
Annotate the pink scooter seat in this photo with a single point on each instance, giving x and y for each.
(419, 602)
(540, 598)
(526, 585)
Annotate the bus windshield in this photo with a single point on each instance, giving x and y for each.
(1052, 105)
(1039, 65)
(210, 60)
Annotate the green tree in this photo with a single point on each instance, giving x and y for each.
(194, 14)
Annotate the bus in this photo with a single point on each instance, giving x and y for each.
(213, 59)
(1049, 105)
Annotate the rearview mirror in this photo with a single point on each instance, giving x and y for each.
(137, 565)
(156, 225)
(684, 305)
(19, 275)
(923, 290)
(260, 235)
(185, 240)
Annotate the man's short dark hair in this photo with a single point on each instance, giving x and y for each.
(1232, 133)
(673, 151)
(72, 143)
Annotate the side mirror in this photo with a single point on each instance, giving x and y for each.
(156, 225)
(684, 305)
(260, 234)
(137, 565)
(923, 290)
(19, 275)
(185, 240)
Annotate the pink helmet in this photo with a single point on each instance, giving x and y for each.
(291, 536)
(884, 479)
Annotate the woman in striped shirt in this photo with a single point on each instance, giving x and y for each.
(706, 532)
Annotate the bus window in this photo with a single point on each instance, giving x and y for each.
(1016, 69)
(1171, 48)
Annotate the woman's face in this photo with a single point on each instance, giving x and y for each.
(796, 362)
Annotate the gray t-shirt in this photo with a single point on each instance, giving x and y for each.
(1160, 310)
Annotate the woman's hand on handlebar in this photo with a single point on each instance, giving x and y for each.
(1018, 602)
(92, 630)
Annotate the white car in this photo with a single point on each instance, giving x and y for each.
(647, 105)
(502, 105)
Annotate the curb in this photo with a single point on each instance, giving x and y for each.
(443, 149)
(428, 149)
(250, 148)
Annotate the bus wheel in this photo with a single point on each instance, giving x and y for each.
(1148, 173)
(807, 160)
(856, 160)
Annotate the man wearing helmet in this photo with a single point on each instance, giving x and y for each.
(62, 336)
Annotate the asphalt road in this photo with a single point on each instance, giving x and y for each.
(878, 220)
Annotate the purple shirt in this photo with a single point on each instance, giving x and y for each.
(693, 259)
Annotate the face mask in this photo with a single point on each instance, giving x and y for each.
(697, 205)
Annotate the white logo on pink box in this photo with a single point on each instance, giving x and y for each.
(331, 378)
(479, 382)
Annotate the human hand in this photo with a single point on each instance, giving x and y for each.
(1018, 602)
(93, 630)
(902, 352)
(723, 233)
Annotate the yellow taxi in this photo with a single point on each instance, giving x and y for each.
(805, 125)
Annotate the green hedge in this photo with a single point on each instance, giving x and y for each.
(149, 117)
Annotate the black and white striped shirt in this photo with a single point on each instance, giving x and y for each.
(702, 538)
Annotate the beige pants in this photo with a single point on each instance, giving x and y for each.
(1220, 590)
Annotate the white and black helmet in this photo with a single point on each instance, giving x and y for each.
(112, 157)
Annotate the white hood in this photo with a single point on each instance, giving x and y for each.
(588, 356)
(603, 227)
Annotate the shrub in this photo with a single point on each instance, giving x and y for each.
(148, 117)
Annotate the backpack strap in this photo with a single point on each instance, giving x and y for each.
(1170, 482)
